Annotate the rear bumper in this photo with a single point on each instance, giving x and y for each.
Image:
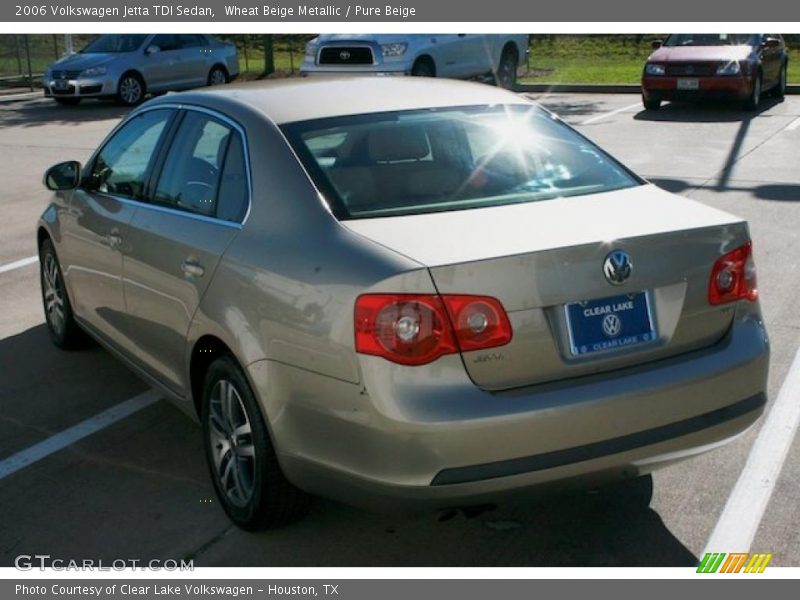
(666, 88)
(441, 441)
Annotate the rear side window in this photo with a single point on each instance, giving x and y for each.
(233, 189)
(204, 172)
(122, 165)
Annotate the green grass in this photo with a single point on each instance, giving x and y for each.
(600, 59)
(284, 63)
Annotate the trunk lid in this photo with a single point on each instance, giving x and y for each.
(539, 257)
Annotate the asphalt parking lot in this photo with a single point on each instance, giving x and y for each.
(138, 488)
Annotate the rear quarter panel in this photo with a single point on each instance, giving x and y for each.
(285, 288)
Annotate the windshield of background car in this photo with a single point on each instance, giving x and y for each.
(712, 39)
(435, 160)
(114, 43)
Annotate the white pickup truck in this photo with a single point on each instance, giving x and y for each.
(459, 56)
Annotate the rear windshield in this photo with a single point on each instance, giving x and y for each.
(713, 39)
(435, 160)
(114, 43)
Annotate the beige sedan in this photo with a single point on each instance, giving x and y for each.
(398, 292)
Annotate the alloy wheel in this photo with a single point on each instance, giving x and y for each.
(231, 439)
(130, 90)
(53, 294)
(217, 77)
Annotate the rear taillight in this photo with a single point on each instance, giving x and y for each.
(733, 277)
(413, 329)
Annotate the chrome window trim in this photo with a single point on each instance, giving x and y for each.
(174, 211)
(248, 172)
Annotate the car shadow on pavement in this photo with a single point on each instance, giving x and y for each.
(47, 112)
(566, 109)
(146, 473)
(574, 530)
(776, 192)
(705, 112)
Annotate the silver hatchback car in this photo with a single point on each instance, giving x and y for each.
(403, 291)
(127, 67)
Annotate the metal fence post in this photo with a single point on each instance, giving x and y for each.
(16, 51)
(28, 56)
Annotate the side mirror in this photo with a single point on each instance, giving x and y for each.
(63, 176)
(152, 49)
(656, 44)
(772, 43)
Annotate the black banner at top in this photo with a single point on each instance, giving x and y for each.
(608, 12)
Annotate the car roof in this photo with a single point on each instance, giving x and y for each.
(304, 99)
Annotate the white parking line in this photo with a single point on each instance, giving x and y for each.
(611, 113)
(17, 264)
(793, 125)
(738, 523)
(61, 440)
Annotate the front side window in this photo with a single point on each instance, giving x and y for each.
(450, 159)
(204, 171)
(167, 42)
(115, 43)
(122, 165)
(192, 40)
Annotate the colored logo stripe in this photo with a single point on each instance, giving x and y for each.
(734, 563)
(758, 563)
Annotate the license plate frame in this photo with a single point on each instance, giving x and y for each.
(589, 335)
(688, 83)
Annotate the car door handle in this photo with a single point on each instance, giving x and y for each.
(192, 268)
(114, 240)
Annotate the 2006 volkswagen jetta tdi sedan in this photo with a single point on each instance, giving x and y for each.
(402, 291)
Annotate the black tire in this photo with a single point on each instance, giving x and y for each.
(754, 99)
(67, 101)
(255, 494)
(217, 76)
(131, 89)
(651, 103)
(779, 91)
(506, 75)
(423, 67)
(59, 318)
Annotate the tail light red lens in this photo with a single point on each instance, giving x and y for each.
(733, 277)
(480, 322)
(414, 329)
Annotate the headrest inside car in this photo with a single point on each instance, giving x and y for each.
(390, 144)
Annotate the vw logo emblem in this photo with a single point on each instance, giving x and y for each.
(611, 325)
(689, 70)
(617, 267)
(344, 55)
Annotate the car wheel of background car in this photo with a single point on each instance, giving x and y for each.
(131, 90)
(244, 469)
(423, 67)
(651, 103)
(68, 101)
(755, 95)
(64, 331)
(779, 91)
(217, 76)
(506, 76)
